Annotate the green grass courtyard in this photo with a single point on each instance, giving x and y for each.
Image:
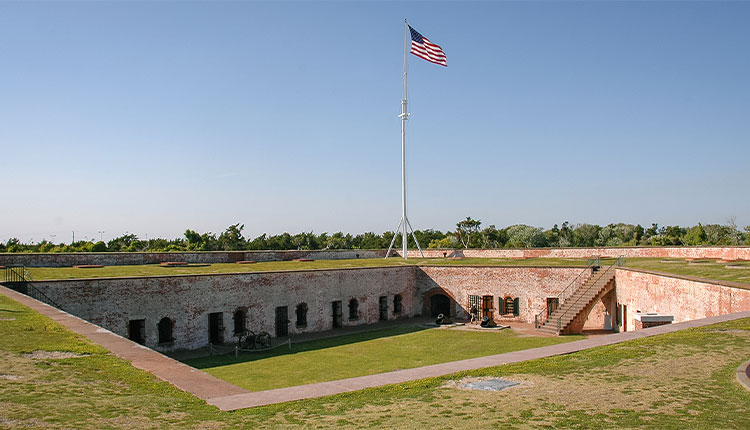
(362, 354)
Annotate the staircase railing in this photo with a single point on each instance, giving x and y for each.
(19, 275)
(541, 317)
(14, 274)
(593, 280)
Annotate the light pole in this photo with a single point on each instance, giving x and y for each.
(101, 233)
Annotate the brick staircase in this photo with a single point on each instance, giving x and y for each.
(577, 306)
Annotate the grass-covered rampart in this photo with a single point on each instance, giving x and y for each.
(707, 269)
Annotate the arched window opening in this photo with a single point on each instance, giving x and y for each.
(397, 304)
(166, 327)
(240, 321)
(353, 309)
(508, 302)
(510, 306)
(301, 315)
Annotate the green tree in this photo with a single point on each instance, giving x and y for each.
(466, 230)
(232, 239)
(119, 244)
(370, 240)
(695, 236)
(425, 237)
(445, 242)
(649, 233)
(306, 241)
(585, 235)
(553, 236)
(566, 235)
(525, 236)
(491, 237)
(99, 247)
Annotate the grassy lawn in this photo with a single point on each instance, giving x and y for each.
(363, 354)
(676, 381)
(709, 270)
(43, 273)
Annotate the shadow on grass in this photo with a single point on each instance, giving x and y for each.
(312, 345)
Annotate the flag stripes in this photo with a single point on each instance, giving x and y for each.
(426, 50)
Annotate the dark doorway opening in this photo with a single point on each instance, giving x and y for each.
(397, 304)
(383, 308)
(137, 331)
(282, 321)
(166, 327)
(216, 327)
(440, 304)
(353, 309)
(301, 312)
(337, 317)
(240, 322)
(552, 304)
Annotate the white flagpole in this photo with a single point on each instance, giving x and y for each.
(404, 224)
(404, 115)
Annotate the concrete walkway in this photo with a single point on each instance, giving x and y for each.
(229, 397)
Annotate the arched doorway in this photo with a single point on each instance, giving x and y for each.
(440, 304)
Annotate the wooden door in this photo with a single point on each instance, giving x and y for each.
(336, 309)
(282, 321)
(383, 308)
(488, 309)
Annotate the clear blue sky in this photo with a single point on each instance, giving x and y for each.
(156, 117)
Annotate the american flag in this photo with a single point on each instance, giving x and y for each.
(423, 48)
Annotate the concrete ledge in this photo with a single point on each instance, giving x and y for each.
(653, 318)
(743, 375)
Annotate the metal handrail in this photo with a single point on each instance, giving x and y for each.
(19, 274)
(12, 275)
(619, 263)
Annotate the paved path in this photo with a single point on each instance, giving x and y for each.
(229, 397)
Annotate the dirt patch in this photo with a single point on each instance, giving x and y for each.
(462, 384)
(43, 355)
(10, 377)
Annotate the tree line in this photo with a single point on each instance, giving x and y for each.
(468, 234)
